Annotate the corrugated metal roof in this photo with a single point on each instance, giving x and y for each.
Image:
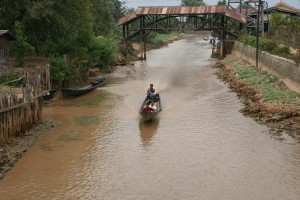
(182, 10)
(8, 34)
(2, 32)
(235, 15)
(127, 18)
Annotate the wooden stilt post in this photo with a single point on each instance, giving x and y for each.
(145, 55)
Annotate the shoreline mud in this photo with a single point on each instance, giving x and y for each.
(278, 116)
(16, 147)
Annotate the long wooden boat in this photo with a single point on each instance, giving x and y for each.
(100, 81)
(147, 112)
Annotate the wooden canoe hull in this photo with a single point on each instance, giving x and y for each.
(149, 115)
(73, 92)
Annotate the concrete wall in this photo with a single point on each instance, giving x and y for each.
(284, 67)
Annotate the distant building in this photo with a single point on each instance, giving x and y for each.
(5, 43)
(250, 12)
(284, 9)
(280, 7)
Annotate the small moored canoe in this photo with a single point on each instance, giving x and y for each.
(100, 81)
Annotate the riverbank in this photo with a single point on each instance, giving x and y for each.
(266, 97)
(16, 147)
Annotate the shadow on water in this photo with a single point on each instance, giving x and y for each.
(148, 130)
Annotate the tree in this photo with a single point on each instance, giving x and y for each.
(12, 11)
(222, 2)
(21, 47)
(106, 13)
(192, 2)
(287, 29)
(56, 27)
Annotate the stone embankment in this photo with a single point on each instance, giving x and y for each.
(287, 69)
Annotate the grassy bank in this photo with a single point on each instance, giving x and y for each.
(270, 86)
(267, 99)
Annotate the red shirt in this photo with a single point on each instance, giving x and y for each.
(148, 109)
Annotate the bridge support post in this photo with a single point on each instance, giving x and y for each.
(143, 55)
(142, 39)
(145, 51)
(124, 46)
(223, 37)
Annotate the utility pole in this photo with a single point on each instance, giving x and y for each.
(257, 32)
(257, 23)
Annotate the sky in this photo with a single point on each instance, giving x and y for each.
(137, 3)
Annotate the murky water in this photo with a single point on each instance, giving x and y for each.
(199, 147)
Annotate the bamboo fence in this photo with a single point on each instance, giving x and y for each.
(20, 111)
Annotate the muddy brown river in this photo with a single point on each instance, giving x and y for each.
(200, 147)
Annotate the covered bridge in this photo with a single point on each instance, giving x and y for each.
(226, 21)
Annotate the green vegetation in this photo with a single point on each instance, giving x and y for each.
(285, 35)
(222, 2)
(85, 30)
(267, 83)
(286, 30)
(228, 60)
(192, 2)
(158, 38)
(102, 51)
(21, 48)
(269, 45)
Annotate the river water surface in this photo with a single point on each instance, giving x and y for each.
(199, 147)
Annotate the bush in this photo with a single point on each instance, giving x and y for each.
(63, 74)
(58, 69)
(267, 44)
(264, 43)
(102, 51)
(248, 40)
(157, 38)
(283, 52)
